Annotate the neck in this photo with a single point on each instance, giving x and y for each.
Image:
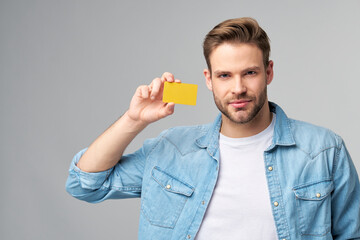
(258, 124)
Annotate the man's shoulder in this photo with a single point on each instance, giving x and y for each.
(313, 138)
(188, 130)
(181, 137)
(179, 134)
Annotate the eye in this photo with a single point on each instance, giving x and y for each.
(224, 75)
(251, 73)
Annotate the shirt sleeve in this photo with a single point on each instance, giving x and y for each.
(121, 181)
(345, 197)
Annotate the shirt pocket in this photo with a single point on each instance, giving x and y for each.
(313, 202)
(164, 198)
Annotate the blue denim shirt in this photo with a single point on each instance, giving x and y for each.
(313, 185)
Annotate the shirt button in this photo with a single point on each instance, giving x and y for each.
(168, 186)
(276, 204)
(318, 195)
(203, 202)
(188, 236)
(270, 168)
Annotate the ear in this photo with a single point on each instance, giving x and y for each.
(269, 72)
(207, 75)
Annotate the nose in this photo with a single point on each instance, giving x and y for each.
(239, 86)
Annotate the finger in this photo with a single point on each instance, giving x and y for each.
(155, 88)
(138, 92)
(177, 80)
(167, 110)
(170, 107)
(144, 92)
(169, 77)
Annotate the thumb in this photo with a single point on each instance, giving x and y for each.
(167, 110)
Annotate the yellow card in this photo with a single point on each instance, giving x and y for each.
(181, 93)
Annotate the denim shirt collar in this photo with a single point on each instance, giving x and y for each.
(282, 133)
(211, 139)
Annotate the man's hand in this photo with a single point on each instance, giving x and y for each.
(146, 105)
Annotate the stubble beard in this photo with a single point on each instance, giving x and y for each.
(257, 105)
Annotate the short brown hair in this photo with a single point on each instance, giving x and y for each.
(237, 30)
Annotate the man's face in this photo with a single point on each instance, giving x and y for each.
(239, 81)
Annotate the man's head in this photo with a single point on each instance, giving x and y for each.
(237, 54)
(238, 30)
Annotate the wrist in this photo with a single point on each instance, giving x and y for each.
(133, 125)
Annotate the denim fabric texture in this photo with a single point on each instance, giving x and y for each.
(313, 184)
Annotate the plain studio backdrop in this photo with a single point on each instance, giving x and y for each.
(68, 70)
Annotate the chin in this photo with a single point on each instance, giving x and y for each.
(235, 118)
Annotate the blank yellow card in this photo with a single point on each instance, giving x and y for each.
(181, 93)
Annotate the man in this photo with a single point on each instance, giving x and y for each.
(252, 174)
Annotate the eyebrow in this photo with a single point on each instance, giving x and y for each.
(252, 68)
(217, 72)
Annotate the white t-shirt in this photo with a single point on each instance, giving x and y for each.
(240, 206)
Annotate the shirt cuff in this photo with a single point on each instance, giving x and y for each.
(88, 180)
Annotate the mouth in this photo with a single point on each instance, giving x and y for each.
(240, 103)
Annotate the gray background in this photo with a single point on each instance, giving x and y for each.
(68, 70)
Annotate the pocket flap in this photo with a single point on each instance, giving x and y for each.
(170, 183)
(315, 191)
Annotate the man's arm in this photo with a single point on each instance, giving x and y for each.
(146, 107)
(346, 197)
